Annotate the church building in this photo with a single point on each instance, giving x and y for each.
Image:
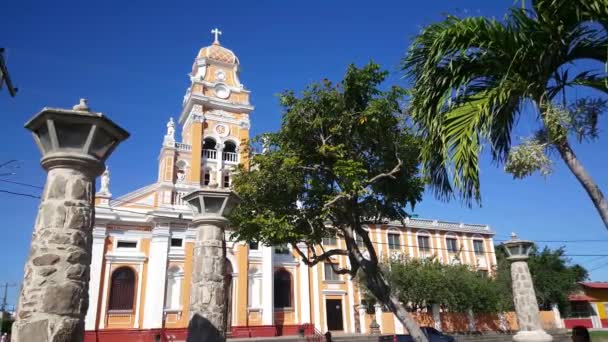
(143, 241)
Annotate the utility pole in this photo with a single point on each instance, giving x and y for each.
(4, 303)
(4, 76)
(3, 313)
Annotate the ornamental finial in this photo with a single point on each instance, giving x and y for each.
(513, 236)
(217, 33)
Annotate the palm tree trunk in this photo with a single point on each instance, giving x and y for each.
(593, 190)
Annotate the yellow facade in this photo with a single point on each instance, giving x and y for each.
(148, 231)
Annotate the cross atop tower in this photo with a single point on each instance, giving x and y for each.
(217, 33)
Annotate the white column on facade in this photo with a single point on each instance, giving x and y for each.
(595, 318)
(379, 245)
(140, 272)
(378, 312)
(220, 164)
(464, 254)
(410, 242)
(304, 290)
(99, 240)
(438, 248)
(362, 321)
(104, 300)
(316, 295)
(492, 256)
(267, 285)
(351, 300)
(157, 277)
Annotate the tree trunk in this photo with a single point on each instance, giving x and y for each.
(593, 190)
(380, 289)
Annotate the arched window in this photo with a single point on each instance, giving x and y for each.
(394, 239)
(424, 244)
(229, 146)
(209, 144)
(229, 151)
(282, 289)
(209, 148)
(174, 286)
(478, 247)
(451, 242)
(122, 289)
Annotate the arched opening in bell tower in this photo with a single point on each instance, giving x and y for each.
(229, 152)
(209, 151)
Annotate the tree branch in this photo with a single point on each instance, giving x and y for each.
(390, 174)
(335, 199)
(318, 258)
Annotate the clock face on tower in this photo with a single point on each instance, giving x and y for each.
(222, 91)
(222, 130)
(220, 75)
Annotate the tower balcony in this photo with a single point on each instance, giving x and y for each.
(228, 157)
(209, 154)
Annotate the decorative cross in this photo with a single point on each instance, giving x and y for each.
(217, 33)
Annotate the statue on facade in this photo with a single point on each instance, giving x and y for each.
(170, 136)
(105, 182)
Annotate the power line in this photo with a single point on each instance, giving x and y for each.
(373, 242)
(19, 183)
(19, 194)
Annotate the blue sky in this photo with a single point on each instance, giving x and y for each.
(131, 59)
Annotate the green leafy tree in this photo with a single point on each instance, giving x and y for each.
(473, 77)
(342, 158)
(457, 288)
(553, 276)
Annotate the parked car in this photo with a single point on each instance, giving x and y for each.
(432, 334)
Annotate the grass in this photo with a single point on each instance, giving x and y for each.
(599, 335)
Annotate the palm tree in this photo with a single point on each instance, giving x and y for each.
(472, 78)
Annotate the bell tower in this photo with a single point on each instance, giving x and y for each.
(215, 117)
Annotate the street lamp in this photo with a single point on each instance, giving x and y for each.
(54, 297)
(524, 297)
(208, 302)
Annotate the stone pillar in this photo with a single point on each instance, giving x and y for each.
(207, 298)
(99, 240)
(267, 285)
(526, 305)
(208, 304)
(54, 295)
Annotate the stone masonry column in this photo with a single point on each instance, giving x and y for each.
(54, 298)
(524, 297)
(208, 298)
(54, 294)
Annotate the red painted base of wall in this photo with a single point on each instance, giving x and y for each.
(604, 323)
(573, 322)
(153, 335)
